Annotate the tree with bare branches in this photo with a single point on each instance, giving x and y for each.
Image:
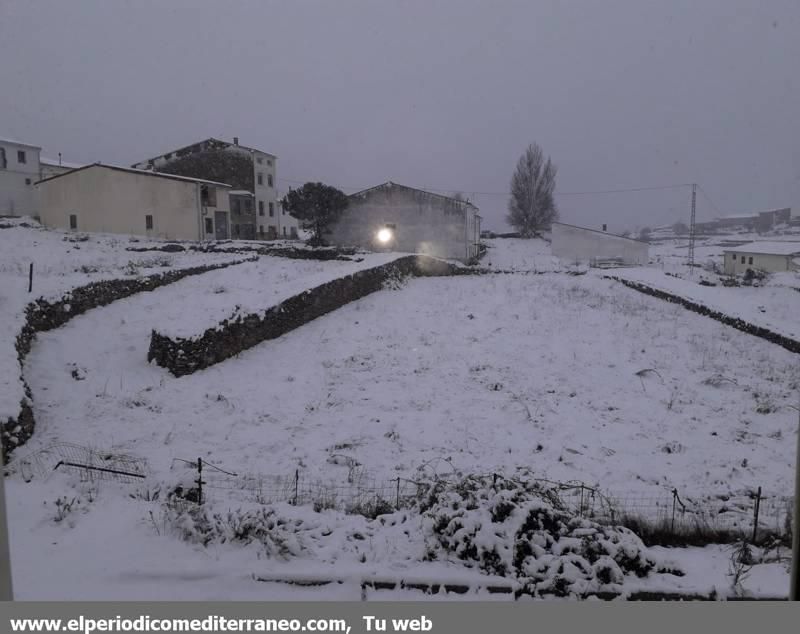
(532, 206)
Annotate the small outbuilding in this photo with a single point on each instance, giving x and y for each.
(110, 199)
(770, 257)
(399, 218)
(594, 247)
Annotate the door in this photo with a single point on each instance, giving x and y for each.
(221, 224)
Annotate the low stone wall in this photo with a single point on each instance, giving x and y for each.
(230, 337)
(319, 253)
(785, 342)
(42, 315)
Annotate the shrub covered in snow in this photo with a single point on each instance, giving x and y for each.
(261, 526)
(520, 529)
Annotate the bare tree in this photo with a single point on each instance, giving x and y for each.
(532, 207)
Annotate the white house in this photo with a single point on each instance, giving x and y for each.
(244, 168)
(400, 218)
(589, 246)
(110, 199)
(19, 171)
(771, 257)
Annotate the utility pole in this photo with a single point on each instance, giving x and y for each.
(692, 230)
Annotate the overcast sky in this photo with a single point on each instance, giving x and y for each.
(444, 95)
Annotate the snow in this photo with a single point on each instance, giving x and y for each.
(767, 248)
(773, 307)
(515, 254)
(59, 265)
(481, 374)
(57, 163)
(251, 288)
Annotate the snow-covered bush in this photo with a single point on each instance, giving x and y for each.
(262, 526)
(521, 529)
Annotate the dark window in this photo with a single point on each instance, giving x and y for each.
(269, 161)
(209, 225)
(235, 205)
(271, 210)
(284, 232)
(742, 259)
(236, 230)
(269, 180)
(27, 181)
(208, 196)
(3, 162)
(21, 158)
(261, 230)
(259, 160)
(283, 211)
(148, 222)
(73, 221)
(260, 207)
(750, 260)
(248, 205)
(260, 178)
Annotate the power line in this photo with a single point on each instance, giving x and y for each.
(708, 198)
(576, 193)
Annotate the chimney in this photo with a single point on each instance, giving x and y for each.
(604, 227)
(59, 158)
(236, 140)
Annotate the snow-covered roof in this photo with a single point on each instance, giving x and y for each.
(767, 248)
(240, 192)
(54, 162)
(737, 217)
(137, 171)
(13, 142)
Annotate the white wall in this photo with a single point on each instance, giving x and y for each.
(756, 261)
(18, 195)
(113, 201)
(576, 244)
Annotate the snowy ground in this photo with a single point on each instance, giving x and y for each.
(513, 254)
(63, 261)
(483, 374)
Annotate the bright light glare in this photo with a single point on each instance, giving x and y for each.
(384, 235)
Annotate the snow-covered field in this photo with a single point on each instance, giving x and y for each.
(572, 377)
(62, 261)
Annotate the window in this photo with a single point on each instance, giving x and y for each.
(269, 180)
(260, 207)
(261, 230)
(750, 260)
(271, 210)
(283, 211)
(269, 161)
(208, 196)
(3, 162)
(284, 232)
(236, 230)
(21, 158)
(260, 178)
(259, 160)
(209, 225)
(148, 222)
(248, 205)
(235, 205)
(742, 259)
(73, 221)
(27, 181)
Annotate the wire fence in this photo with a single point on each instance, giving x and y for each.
(754, 514)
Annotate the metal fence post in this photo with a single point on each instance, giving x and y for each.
(199, 480)
(398, 493)
(30, 278)
(674, 502)
(755, 515)
(296, 483)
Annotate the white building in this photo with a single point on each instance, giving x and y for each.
(590, 246)
(19, 170)
(242, 167)
(771, 257)
(109, 199)
(412, 220)
(53, 167)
